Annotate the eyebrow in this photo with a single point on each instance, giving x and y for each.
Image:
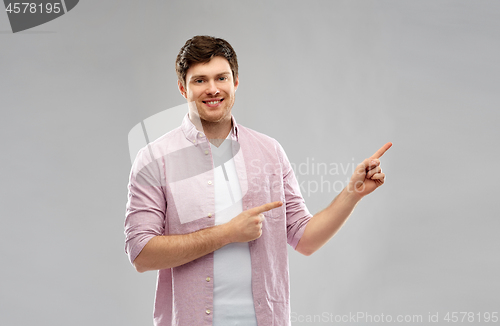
(202, 76)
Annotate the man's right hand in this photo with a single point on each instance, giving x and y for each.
(169, 251)
(247, 226)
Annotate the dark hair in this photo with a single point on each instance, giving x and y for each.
(201, 49)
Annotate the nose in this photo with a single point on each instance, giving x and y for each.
(212, 88)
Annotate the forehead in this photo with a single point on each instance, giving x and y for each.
(216, 66)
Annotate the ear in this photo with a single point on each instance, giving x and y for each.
(182, 90)
(236, 83)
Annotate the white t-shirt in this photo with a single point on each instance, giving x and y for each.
(233, 300)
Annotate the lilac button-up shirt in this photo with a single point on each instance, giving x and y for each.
(171, 192)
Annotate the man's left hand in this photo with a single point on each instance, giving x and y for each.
(368, 175)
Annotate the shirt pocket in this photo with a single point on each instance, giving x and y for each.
(191, 196)
(270, 190)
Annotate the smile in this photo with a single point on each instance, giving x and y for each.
(213, 102)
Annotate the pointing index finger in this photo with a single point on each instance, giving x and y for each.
(382, 150)
(265, 207)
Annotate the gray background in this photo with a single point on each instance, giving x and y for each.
(331, 80)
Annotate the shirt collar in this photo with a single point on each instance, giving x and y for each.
(195, 136)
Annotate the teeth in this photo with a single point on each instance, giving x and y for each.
(213, 102)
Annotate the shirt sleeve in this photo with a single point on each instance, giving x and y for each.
(297, 214)
(146, 205)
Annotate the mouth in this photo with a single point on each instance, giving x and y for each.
(213, 102)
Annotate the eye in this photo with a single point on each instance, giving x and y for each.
(222, 78)
(198, 81)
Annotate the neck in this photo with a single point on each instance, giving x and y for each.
(216, 132)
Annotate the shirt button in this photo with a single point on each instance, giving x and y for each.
(208, 279)
(209, 214)
(209, 182)
(207, 311)
(200, 135)
(194, 141)
(206, 152)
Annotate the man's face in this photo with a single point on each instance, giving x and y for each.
(211, 86)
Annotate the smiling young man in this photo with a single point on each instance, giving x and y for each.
(205, 210)
(210, 88)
